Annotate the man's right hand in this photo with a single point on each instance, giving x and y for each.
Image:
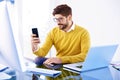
(34, 42)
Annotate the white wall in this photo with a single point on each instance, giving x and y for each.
(35, 13)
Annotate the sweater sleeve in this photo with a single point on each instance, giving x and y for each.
(44, 49)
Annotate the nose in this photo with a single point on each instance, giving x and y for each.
(58, 22)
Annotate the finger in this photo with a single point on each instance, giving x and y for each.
(33, 35)
(47, 62)
(35, 40)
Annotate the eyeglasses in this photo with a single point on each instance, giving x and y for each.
(58, 19)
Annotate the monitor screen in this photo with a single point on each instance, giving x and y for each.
(10, 52)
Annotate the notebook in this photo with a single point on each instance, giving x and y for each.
(98, 57)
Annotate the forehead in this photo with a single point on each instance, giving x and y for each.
(58, 16)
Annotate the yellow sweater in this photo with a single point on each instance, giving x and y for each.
(70, 46)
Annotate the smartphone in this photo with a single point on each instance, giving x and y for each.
(35, 31)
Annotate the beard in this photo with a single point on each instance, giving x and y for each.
(62, 26)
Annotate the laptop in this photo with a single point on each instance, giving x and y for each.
(98, 57)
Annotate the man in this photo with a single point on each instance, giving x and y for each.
(71, 41)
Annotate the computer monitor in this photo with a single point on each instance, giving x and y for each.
(10, 52)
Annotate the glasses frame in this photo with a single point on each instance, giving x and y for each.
(61, 19)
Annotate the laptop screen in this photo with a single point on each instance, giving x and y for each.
(99, 57)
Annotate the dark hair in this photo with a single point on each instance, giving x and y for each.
(63, 9)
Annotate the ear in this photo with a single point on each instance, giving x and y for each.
(70, 17)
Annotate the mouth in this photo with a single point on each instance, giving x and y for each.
(60, 26)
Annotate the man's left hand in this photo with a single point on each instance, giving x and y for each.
(51, 60)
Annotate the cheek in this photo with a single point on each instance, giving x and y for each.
(65, 22)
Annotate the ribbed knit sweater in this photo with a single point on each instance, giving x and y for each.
(70, 46)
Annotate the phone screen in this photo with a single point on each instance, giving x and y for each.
(35, 31)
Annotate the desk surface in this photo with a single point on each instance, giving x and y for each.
(107, 73)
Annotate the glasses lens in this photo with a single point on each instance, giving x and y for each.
(58, 19)
(55, 19)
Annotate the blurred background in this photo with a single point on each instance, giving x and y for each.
(100, 17)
